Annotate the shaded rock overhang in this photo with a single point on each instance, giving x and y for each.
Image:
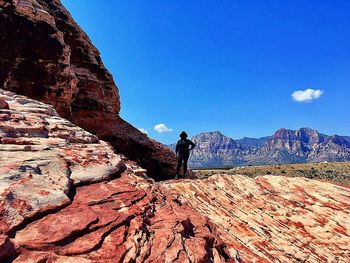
(46, 56)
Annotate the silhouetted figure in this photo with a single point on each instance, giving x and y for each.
(182, 150)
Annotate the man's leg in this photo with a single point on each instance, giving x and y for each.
(179, 161)
(185, 164)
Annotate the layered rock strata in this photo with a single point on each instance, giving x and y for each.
(65, 196)
(46, 56)
(42, 156)
(125, 220)
(273, 218)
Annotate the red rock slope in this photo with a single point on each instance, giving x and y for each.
(65, 196)
(45, 55)
(274, 218)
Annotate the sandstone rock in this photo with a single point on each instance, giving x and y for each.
(117, 221)
(56, 206)
(3, 104)
(219, 219)
(273, 218)
(45, 55)
(41, 157)
(60, 201)
(63, 197)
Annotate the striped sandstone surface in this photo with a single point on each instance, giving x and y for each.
(71, 184)
(67, 197)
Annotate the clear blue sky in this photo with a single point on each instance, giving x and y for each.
(224, 65)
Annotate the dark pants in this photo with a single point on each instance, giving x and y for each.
(182, 158)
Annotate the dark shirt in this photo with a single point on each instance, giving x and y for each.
(183, 146)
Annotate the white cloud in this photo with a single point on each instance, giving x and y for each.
(143, 130)
(161, 128)
(307, 95)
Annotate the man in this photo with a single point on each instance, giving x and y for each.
(183, 148)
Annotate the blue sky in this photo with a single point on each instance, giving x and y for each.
(230, 66)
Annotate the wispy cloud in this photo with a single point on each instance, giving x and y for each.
(162, 128)
(307, 95)
(143, 130)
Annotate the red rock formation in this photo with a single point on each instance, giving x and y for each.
(42, 155)
(65, 197)
(273, 218)
(46, 56)
(60, 201)
(119, 221)
(3, 104)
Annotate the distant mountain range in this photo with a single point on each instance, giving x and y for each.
(213, 149)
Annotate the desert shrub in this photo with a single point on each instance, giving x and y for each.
(283, 172)
(310, 176)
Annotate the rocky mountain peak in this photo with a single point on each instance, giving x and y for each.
(339, 140)
(214, 139)
(306, 135)
(284, 134)
(214, 148)
(310, 136)
(284, 146)
(210, 134)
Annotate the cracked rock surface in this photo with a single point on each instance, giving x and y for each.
(127, 219)
(65, 196)
(41, 156)
(273, 218)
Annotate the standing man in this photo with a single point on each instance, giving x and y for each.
(183, 148)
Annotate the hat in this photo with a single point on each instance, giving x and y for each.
(183, 134)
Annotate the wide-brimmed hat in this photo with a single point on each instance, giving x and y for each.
(183, 134)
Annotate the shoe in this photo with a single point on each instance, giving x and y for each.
(176, 177)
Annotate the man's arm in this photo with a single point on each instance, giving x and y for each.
(192, 144)
(177, 148)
